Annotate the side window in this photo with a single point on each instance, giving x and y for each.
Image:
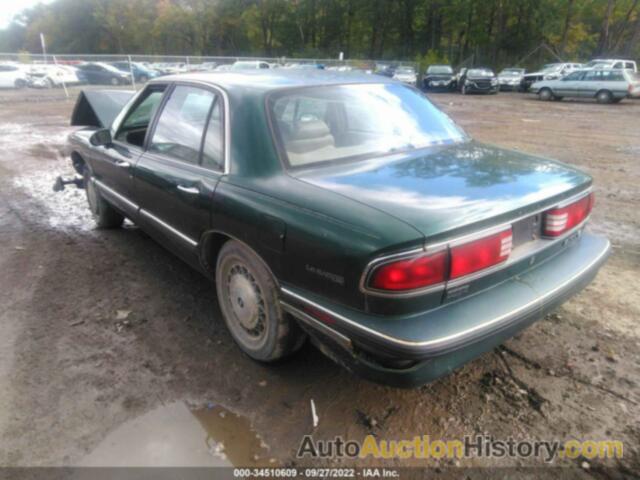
(617, 65)
(213, 150)
(593, 75)
(134, 126)
(628, 65)
(180, 127)
(573, 76)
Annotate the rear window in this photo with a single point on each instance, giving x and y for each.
(346, 122)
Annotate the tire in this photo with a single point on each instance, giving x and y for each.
(114, 81)
(20, 83)
(604, 96)
(248, 298)
(545, 95)
(104, 214)
(616, 100)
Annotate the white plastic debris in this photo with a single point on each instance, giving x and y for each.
(314, 415)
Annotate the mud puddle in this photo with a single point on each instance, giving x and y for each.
(177, 435)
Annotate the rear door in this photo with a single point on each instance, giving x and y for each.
(113, 165)
(184, 160)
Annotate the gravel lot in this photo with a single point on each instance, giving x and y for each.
(109, 342)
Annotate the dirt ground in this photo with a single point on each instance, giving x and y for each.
(106, 337)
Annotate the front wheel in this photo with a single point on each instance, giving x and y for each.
(545, 95)
(604, 96)
(104, 214)
(248, 298)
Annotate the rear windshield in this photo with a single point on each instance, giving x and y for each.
(345, 122)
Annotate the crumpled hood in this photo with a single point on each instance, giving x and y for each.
(450, 187)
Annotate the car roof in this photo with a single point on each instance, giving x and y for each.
(273, 79)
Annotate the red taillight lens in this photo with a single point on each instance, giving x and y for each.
(480, 254)
(559, 220)
(410, 274)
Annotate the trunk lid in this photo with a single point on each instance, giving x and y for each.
(453, 189)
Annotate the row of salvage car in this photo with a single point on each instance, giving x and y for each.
(605, 80)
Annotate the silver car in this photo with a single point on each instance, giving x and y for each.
(606, 86)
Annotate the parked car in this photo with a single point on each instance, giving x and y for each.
(479, 80)
(50, 76)
(406, 74)
(400, 246)
(103, 74)
(439, 77)
(612, 63)
(250, 65)
(141, 73)
(12, 76)
(384, 69)
(510, 78)
(550, 71)
(606, 86)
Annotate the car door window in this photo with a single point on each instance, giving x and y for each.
(628, 65)
(135, 125)
(178, 133)
(213, 148)
(592, 76)
(573, 76)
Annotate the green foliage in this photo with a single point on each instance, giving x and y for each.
(494, 32)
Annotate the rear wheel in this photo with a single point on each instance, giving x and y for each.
(545, 94)
(20, 83)
(115, 81)
(604, 96)
(104, 214)
(248, 298)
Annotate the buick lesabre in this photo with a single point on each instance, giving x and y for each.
(342, 208)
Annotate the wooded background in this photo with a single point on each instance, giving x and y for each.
(492, 32)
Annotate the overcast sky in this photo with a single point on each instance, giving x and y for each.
(9, 8)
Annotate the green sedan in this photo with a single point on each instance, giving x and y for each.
(344, 209)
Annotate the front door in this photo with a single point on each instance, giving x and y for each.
(113, 164)
(568, 86)
(176, 177)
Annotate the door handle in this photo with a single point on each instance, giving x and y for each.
(122, 164)
(190, 190)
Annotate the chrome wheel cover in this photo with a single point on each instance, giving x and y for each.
(247, 304)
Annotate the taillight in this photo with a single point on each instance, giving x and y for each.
(411, 274)
(480, 254)
(559, 220)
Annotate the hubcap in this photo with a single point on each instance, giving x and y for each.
(246, 300)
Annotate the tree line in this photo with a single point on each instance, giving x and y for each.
(495, 32)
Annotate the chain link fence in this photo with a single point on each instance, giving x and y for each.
(34, 75)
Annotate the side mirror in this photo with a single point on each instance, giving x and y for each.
(101, 138)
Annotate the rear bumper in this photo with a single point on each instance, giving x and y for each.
(412, 350)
